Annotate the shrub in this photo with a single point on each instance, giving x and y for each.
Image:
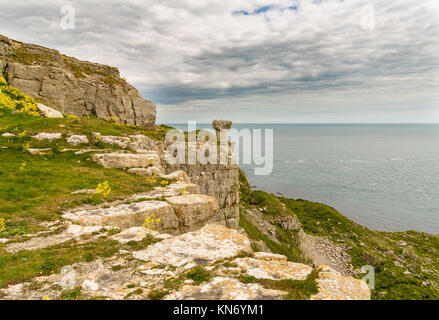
(13, 99)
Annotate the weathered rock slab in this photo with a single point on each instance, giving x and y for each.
(48, 136)
(222, 288)
(211, 243)
(128, 215)
(127, 160)
(39, 152)
(138, 234)
(48, 112)
(71, 232)
(76, 140)
(273, 266)
(333, 286)
(193, 210)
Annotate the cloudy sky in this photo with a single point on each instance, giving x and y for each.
(254, 60)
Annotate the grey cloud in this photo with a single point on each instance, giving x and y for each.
(179, 53)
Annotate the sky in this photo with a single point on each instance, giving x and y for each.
(253, 61)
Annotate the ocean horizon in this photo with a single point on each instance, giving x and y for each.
(384, 176)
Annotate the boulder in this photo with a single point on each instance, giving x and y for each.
(193, 210)
(47, 112)
(48, 136)
(151, 171)
(273, 266)
(211, 243)
(333, 286)
(8, 135)
(127, 160)
(121, 142)
(39, 152)
(178, 176)
(76, 140)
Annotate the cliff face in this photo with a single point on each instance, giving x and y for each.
(72, 86)
(221, 182)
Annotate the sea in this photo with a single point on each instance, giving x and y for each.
(382, 176)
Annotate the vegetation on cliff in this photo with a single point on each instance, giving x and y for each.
(37, 189)
(406, 263)
(13, 99)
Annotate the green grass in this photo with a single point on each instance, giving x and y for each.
(369, 248)
(42, 189)
(366, 247)
(15, 123)
(199, 275)
(25, 265)
(297, 289)
(287, 245)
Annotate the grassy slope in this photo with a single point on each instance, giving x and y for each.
(42, 190)
(421, 255)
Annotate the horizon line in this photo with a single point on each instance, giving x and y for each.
(316, 123)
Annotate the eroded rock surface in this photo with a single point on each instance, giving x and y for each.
(76, 140)
(48, 136)
(222, 288)
(127, 160)
(333, 286)
(223, 254)
(47, 112)
(71, 232)
(201, 247)
(72, 86)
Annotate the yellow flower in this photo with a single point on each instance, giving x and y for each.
(2, 225)
(151, 222)
(22, 166)
(46, 298)
(103, 189)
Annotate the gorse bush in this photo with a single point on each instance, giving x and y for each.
(13, 99)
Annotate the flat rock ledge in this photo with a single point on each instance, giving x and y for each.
(48, 136)
(201, 247)
(177, 214)
(223, 252)
(127, 160)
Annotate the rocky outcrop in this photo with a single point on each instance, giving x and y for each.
(72, 86)
(221, 182)
(221, 258)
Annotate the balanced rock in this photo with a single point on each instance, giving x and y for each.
(221, 124)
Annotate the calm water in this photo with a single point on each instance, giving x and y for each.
(385, 177)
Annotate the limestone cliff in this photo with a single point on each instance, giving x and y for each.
(72, 86)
